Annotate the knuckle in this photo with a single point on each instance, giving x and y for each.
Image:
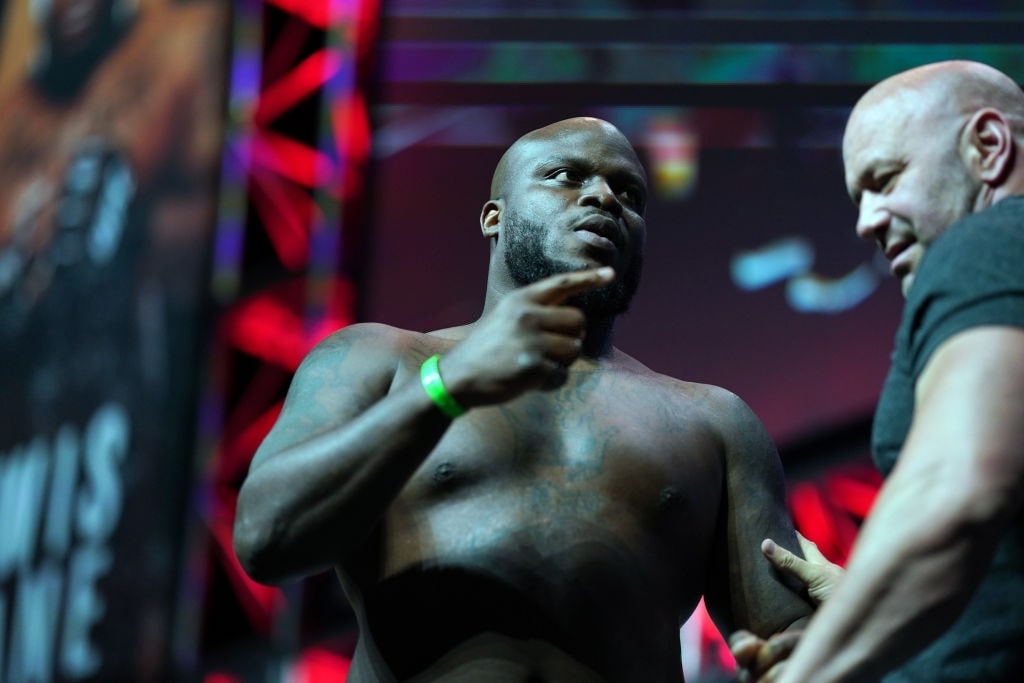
(526, 317)
(528, 360)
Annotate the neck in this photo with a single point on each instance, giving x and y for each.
(597, 342)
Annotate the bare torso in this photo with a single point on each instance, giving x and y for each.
(556, 537)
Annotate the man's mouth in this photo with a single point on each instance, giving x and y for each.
(898, 255)
(601, 232)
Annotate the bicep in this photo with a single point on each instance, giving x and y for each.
(754, 508)
(968, 428)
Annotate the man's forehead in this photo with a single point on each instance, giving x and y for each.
(568, 136)
(899, 105)
(595, 146)
(880, 111)
(876, 128)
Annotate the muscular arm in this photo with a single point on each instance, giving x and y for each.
(744, 592)
(340, 451)
(938, 519)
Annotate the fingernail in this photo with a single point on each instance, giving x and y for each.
(737, 637)
(768, 547)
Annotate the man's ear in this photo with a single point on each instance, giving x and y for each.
(490, 218)
(987, 146)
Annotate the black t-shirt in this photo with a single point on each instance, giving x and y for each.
(972, 275)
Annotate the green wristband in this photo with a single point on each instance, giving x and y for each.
(430, 378)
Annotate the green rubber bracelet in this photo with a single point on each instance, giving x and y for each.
(430, 378)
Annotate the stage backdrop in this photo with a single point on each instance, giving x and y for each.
(753, 278)
(109, 152)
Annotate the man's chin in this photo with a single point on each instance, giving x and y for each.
(906, 283)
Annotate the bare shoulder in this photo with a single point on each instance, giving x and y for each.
(748, 446)
(714, 403)
(717, 409)
(340, 377)
(354, 367)
(374, 334)
(361, 347)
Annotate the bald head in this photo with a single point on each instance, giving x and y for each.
(527, 146)
(928, 146)
(935, 99)
(953, 88)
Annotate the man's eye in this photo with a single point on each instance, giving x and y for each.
(886, 180)
(633, 196)
(567, 175)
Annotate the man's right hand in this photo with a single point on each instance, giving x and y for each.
(820, 576)
(527, 341)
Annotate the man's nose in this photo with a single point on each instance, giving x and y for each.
(872, 219)
(598, 192)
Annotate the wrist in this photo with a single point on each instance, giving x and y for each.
(433, 385)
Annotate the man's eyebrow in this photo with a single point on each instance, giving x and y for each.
(865, 177)
(857, 188)
(626, 173)
(570, 159)
(635, 177)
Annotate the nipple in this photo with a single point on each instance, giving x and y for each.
(444, 473)
(669, 498)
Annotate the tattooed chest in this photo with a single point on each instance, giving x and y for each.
(546, 460)
(569, 498)
(513, 444)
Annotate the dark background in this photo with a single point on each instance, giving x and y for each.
(359, 137)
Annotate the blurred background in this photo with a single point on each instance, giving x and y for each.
(195, 192)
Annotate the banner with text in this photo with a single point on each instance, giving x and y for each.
(109, 154)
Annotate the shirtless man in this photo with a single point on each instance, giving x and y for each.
(568, 507)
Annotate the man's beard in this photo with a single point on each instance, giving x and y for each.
(527, 263)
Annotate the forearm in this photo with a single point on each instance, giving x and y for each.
(914, 567)
(935, 525)
(303, 508)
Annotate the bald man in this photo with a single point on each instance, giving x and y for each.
(516, 499)
(935, 582)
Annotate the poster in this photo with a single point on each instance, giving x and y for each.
(109, 155)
